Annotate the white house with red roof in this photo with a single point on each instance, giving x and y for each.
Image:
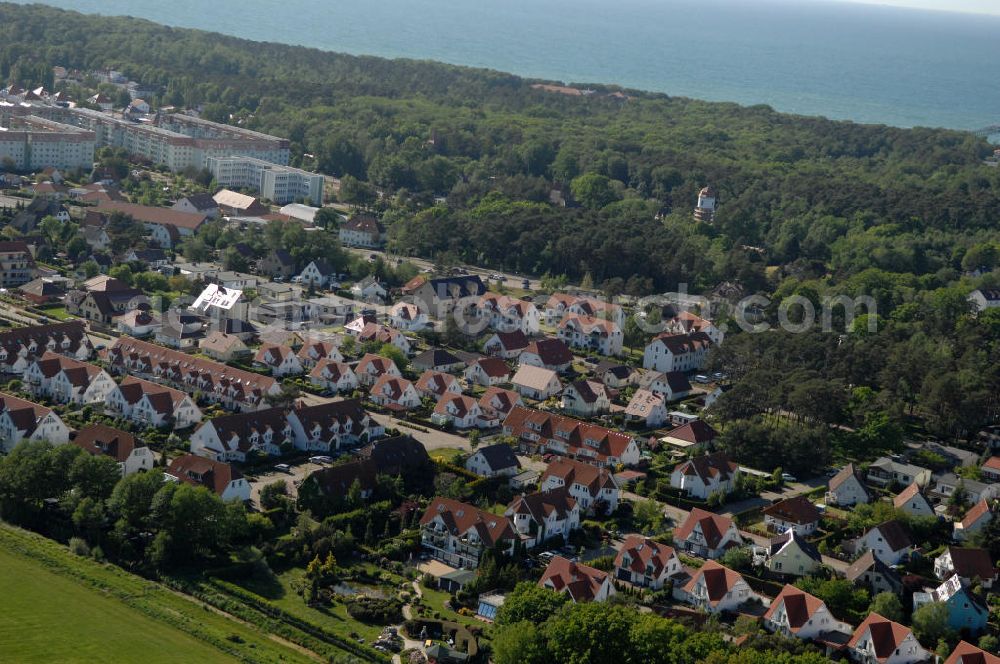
(102, 440)
(220, 478)
(407, 316)
(20, 345)
(313, 352)
(498, 402)
(395, 393)
(677, 352)
(966, 653)
(714, 588)
(590, 333)
(585, 398)
(646, 563)
(559, 304)
(278, 360)
(544, 515)
(540, 432)
(367, 331)
(884, 641)
(152, 404)
(795, 513)
(457, 533)
(509, 314)
(969, 564)
(372, 367)
(593, 488)
(579, 582)
(846, 488)
(23, 420)
(889, 541)
(702, 476)
(506, 345)
(706, 534)
(462, 412)
(361, 230)
(686, 322)
(552, 354)
(974, 520)
(991, 469)
(912, 502)
(334, 376)
(436, 384)
(66, 380)
(487, 371)
(797, 614)
(219, 383)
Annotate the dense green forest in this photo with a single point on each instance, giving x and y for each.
(823, 199)
(460, 164)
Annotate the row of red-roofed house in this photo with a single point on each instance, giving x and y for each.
(714, 588)
(458, 534)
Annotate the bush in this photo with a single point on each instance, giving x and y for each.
(79, 546)
(375, 610)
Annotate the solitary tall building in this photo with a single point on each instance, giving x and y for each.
(705, 210)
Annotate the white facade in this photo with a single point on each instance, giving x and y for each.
(334, 376)
(587, 333)
(849, 491)
(660, 357)
(819, 621)
(281, 184)
(50, 428)
(61, 389)
(141, 459)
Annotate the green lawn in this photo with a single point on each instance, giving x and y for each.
(57, 607)
(48, 618)
(435, 600)
(57, 313)
(446, 454)
(280, 591)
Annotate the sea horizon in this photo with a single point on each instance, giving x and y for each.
(845, 61)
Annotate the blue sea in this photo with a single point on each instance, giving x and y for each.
(865, 63)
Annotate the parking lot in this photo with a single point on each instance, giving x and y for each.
(295, 475)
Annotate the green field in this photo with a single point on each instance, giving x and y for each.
(61, 608)
(48, 618)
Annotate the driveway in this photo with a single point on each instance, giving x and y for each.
(292, 479)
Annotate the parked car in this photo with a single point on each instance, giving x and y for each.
(283, 467)
(788, 477)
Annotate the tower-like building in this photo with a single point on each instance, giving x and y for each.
(705, 210)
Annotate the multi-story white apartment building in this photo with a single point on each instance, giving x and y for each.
(33, 143)
(176, 141)
(281, 184)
